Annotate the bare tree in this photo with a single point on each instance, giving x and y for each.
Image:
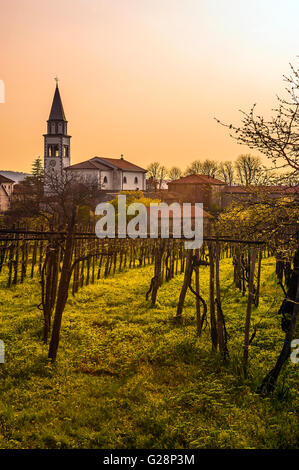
(226, 172)
(157, 172)
(209, 167)
(248, 168)
(194, 168)
(162, 175)
(66, 194)
(174, 173)
(153, 170)
(276, 138)
(59, 206)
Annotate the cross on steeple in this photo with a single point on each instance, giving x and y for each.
(56, 80)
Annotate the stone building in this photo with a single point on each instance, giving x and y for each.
(199, 188)
(111, 174)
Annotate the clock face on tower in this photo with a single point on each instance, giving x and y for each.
(52, 163)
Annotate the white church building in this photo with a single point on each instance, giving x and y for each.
(111, 174)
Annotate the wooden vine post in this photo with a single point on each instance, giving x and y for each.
(220, 325)
(62, 295)
(156, 281)
(186, 283)
(198, 316)
(249, 307)
(49, 282)
(257, 294)
(214, 334)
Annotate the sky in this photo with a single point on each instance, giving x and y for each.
(143, 78)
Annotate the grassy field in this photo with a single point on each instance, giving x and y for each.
(128, 377)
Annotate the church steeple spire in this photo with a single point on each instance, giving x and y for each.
(57, 112)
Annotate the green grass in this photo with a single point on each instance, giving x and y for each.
(127, 377)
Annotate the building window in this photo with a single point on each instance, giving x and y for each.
(105, 179)
(125, 179)
(135, 180)
(53, 150)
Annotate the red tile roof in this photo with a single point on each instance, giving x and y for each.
(120, 163)
(197, 179)
(87, 165)
(101, 163)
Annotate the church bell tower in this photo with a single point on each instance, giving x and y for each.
(57, 141)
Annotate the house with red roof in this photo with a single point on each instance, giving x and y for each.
(111, 174)
(199, 188)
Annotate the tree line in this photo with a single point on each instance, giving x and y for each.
(246, 170)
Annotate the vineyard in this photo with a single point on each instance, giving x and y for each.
(132, 312)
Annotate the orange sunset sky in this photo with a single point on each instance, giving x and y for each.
(140, 77)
